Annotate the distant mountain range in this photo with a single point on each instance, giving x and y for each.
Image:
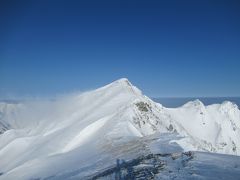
(179, 101)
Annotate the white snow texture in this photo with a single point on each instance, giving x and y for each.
(42, 139)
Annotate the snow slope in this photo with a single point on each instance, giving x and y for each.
(81, 134)
(212, 128)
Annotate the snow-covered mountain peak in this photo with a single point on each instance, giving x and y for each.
(231, 112)
(121, 86)
(196, 103)
(43, 134)
(228, 106)
(195, 106)
(123, 80)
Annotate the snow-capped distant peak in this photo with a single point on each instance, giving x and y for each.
(228, 106)
(195, 103)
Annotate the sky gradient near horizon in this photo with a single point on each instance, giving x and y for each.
(172, 48)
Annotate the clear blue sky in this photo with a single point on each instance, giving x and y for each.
(172, 48)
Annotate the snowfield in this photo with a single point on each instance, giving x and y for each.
(82, 136)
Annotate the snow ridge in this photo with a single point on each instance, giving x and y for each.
(35, 136)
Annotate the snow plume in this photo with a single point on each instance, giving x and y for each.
(28, 112)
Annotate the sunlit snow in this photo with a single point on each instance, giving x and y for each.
(78, 135)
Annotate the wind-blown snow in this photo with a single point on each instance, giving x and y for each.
(81, 133)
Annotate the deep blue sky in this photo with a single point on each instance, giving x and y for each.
(172, 48)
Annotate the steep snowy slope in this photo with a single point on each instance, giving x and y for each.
(80, 133)
(213, 128)
(71, 125)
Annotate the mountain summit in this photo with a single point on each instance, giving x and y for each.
(113, 121)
